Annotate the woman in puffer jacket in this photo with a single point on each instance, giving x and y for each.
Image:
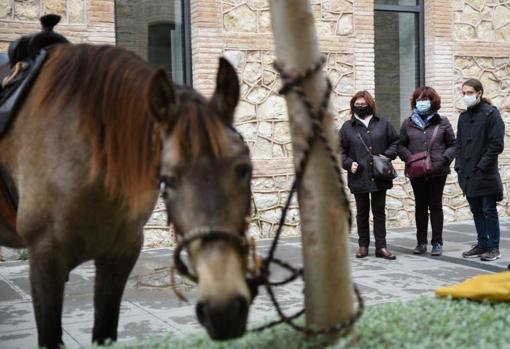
(426, 130)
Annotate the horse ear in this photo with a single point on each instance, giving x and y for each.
(226, 95)
(161, 97)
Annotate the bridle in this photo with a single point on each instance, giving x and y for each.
(259, 275)
(211, 233)
(206, 233)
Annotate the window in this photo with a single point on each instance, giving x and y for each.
(160, 45)
(399, 52)
(159, 32)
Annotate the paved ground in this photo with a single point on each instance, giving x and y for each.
(151, 309)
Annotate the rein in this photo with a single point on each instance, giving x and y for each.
(259, 274)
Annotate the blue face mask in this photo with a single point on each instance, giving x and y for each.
(422, 107)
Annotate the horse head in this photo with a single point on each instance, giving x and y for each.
(205, 174)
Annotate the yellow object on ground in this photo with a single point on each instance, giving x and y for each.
(494, 287)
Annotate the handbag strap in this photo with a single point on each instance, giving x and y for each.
(362, 141)
(433, 139)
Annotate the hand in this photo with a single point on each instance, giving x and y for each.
(354, 167)
(383, 156)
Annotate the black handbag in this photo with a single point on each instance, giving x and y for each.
(381, 168)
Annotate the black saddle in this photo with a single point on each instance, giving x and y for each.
(26, 56)
(28, 46)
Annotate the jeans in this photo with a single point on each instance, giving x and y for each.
(428, 195)
(486, 220)
(378, 199)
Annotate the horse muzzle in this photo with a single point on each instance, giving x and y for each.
(226, 320)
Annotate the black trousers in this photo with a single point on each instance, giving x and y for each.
(378, 200)
(428, 196)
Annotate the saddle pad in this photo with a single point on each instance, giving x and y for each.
(13, 97)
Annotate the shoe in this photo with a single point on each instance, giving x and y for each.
(437, 250)
(491, 255)
(384, 253)
(362, 252)
(420, 249)
(474, 252)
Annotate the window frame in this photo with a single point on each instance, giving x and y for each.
(188, 71)
(420, 11)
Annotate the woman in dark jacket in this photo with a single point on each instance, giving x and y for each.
(426, 130)
(367, 129)
(480, 132)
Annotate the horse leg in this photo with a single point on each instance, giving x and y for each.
(47, 279)
(112, 273)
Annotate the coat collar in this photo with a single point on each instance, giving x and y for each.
(355, 121)
(482, 108)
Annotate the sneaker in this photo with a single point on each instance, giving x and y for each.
(437, 250)
(476, 251)
(420, 249)
(491, 255)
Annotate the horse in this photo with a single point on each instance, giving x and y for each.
(98, 134)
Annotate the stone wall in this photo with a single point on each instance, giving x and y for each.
(482, 20)
(458, 47)
(482, 51)
(240, 30)
(463, 38)
(242, 33)
(82, 21)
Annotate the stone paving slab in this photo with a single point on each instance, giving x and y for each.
(150, 307)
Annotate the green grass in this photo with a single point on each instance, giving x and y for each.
(423, 323)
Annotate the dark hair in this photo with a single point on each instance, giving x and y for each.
(426, 92)
(477, 85)
(368, 98)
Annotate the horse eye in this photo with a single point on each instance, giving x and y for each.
(243, 170)
(170, 182)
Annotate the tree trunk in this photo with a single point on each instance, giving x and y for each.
(324, 216)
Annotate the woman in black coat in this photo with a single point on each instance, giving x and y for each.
(426, 130)
(480, 133)
(367, 129)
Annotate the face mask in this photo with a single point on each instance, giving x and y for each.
(470, 100)
(363, 112)
(422, 107)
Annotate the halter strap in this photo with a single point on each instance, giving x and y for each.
(205, 233)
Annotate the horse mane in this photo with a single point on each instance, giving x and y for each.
(197, 131)
(109, 87)
(106, 86)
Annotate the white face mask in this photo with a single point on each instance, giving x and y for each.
(470, 100)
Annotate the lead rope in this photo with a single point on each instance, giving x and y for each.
(293, 85)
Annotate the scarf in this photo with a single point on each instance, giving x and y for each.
(421, 123)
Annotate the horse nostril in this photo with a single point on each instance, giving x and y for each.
(224, 320)
(239, 306)
(200, 310)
